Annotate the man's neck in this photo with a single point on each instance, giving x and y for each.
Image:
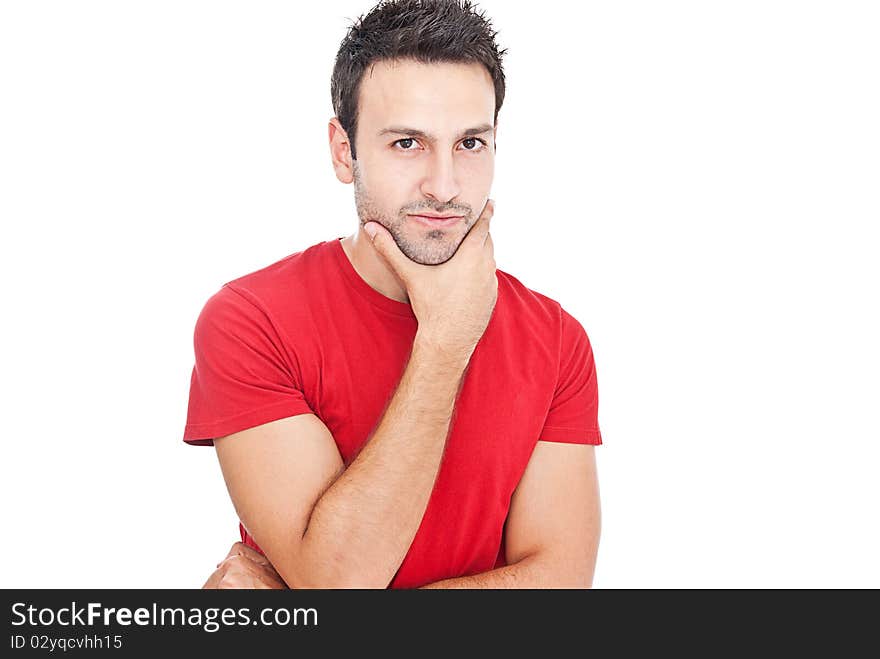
(372, 268)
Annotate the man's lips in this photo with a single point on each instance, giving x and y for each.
(436, 220)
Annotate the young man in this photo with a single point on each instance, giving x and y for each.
(388, 408)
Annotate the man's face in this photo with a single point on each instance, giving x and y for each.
(425, 144)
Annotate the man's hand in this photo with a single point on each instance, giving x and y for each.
(452, 301)
(244, 567)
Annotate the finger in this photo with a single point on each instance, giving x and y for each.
(476, 237)
(233, 581)
(237, 569)
(219, 575)
(489, 245)
(214, 580)
(245, 565)
(267, 581)
(243, 550)
(487, 212)
(485, 219)
(241, 572)
(384, 243)
(234, 550)
(247, 551)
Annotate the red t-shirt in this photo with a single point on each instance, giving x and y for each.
(307, 335)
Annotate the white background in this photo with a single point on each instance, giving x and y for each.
(696, 182)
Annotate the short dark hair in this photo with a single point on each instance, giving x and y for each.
(426, 31)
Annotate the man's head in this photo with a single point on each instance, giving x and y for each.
(418, 85)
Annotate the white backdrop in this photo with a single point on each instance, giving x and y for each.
(696, 182)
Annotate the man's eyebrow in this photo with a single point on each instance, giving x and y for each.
(415, 132)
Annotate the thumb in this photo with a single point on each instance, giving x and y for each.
(387, 247)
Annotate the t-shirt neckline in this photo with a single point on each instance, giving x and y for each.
(369, 293)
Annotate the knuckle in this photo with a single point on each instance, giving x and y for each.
(249, 551)
(228, 582)
(234, 576)
(224, 578)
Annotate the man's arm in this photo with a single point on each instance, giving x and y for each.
(535, 559)
(324, 527)
(553, 527)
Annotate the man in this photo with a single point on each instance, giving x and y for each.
(389, 409)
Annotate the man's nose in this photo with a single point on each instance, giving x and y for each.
(440, 182)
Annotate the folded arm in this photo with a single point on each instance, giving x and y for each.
(553, 527)
(324, 525)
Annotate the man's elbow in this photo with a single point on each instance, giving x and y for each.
(331, 573)
(578, 577)
(568, 572)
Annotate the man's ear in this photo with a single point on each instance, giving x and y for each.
(340, 151)
(495, 137)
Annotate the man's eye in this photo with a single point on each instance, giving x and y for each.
(469, 144)
(473, 144)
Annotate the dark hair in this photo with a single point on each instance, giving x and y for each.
(426, 31)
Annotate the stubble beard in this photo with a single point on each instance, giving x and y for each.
(431, 247)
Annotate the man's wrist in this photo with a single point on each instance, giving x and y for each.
(428, 347)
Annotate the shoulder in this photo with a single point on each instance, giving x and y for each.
(284, 279)
(272, 289)
(539, 314)
(529, 305)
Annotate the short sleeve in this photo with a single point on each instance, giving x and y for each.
(574, 412)
(241, 376)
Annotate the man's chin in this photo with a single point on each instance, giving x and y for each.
(436, 254)
(428, 251)
(431, 258)
(434, 261)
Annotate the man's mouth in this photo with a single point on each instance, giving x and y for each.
(437, 220)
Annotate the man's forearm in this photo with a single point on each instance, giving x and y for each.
(518, 575)
(535, 571)
(363, 525)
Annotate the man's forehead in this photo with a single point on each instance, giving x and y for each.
(427, 98)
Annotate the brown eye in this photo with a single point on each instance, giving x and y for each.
(473, 144)
(406, 143)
